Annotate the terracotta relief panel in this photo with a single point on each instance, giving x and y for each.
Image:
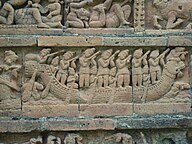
(100, 137)
(105, 82)
(34, 13)
(168, 14)
(99, 14)
(10, 83)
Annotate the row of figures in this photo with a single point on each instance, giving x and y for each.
(107, 68)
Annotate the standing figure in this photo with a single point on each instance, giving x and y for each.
(85, 62)
(146, 76)
(123, 73)
(64, 67)
(104, 63)
(154, 63)
(54, 65)
(72, 78)
(137, 67)
(112, 78)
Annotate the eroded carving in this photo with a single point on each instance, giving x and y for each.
(176, 13)
(73, 139)
(108, 14)
(121, 138)
(106, 76)
(32, 12)
(10, 81)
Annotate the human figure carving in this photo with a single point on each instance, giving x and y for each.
(78, 16)
(110, 14)
(175, 12)
(154, 62)
(123, 73)
(55, 65)
(73, 139)
(72, 78)
(104, 63)
(54, 17)
(8, 12)
(43, 57)
(32, 88)
(65, 63)
(85, 62)
(121, 138)
(137, 63)
(112, 78)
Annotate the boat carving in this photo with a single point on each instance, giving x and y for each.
(106, 78)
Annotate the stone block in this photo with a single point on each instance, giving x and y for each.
(106, 110)
(50, 111)
(18, 41)
(135, 41)
(69, 41)
(161, 108)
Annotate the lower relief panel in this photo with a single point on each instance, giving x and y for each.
(94, 82)
(101, 137)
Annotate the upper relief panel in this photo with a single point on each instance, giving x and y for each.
(99, 14)
(168, 14)
(38, 13)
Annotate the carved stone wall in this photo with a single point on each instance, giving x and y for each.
(95, 71)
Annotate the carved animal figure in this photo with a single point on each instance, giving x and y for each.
(174, 11)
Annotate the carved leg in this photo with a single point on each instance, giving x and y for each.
(172, 17)
(3, 20)
(87, 78)
(120, 81)
(153, 77)
(100, 81)
(7, 7)
(106, 80)
(158, 75)
(37, 16)
(63, 79)
(126, 80)
(140, 79)
(58, 76)
(81, 80)
(100, 22)
(120, 14)
(134, 80)
(155, 22)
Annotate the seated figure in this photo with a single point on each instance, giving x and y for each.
(110, 14)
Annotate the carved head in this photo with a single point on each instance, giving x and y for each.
(55, 61)
(154, 54)
(123, 54)
(73, 139)
(84, 12)
(10, 57)
(106, 54)
(88, 52)
(45, 52)
(113, 71)
(68, 55)
(124, 138)
(160, 3)
(138, 53)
